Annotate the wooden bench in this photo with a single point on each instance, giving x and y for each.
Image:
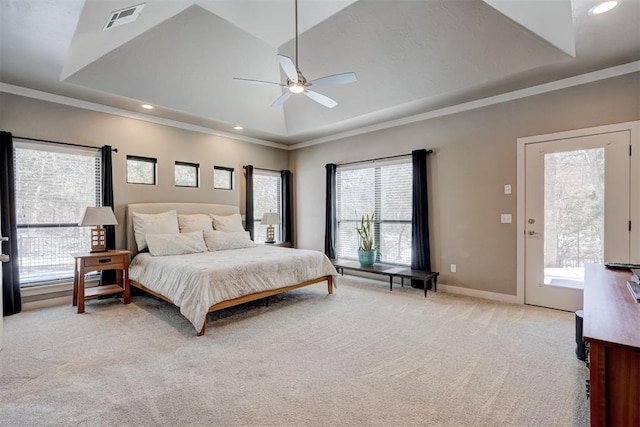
(391, 271)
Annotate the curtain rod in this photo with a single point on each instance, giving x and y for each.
(263, 169)
(379, 158)
(61, 143)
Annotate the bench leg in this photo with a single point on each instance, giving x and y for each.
(426, 285)
(391, 283)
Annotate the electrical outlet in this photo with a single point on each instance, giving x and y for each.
(453, 268)
(505, 218)
(507, 189)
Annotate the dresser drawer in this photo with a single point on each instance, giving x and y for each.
(112, 261)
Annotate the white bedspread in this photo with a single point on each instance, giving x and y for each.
(195, 282)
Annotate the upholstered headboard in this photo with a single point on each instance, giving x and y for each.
(181, 208)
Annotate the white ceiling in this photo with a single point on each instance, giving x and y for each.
(411, 56)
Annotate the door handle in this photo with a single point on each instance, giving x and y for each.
(532, 233)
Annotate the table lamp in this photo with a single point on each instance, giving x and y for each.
(98, 216)
(270, 219)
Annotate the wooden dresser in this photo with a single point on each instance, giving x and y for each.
(612, 329)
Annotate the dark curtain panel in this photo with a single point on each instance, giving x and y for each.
(420, 252)
(11, 299)
(108, 276)
(248, 211)
(331, 226)
(287, 206)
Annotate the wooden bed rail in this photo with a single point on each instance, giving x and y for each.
(245, 298)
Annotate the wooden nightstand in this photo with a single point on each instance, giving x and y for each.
(281, 244)
(97, 261)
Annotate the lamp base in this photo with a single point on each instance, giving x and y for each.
(271, 235)
(98, 239)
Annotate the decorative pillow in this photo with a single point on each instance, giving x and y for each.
(176, 244)
(220, 240)
(162, 223)
(228, 223)
(195, 222)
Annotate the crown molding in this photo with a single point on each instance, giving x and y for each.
(101, 108)
(581, 79)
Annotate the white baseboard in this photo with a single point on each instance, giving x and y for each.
(49, 302)
(511, 299)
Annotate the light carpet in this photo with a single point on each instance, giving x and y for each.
(362, 356)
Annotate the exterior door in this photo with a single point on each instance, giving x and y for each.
(576, 213)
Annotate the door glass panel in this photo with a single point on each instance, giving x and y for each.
(573, 215)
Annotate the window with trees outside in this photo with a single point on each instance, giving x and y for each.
(383, 189)
(186, 174)
(222, 178)
(141, 170)
(53, 184)
(267, 190)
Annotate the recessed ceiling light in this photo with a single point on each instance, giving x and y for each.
(147, 106)
(238, 127)
(603, 6)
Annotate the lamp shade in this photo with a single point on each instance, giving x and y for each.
(270, 218)
(98, 216)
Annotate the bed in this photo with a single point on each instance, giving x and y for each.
(210, 280)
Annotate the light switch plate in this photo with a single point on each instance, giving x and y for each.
(507, 189)
(505, 218)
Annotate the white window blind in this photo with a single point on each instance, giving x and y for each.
(54, 184)
(267, 191)
(381, 189)
(186, 174)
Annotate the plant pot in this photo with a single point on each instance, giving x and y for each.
(366, 258)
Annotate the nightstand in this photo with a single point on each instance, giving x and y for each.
(281, 244)
(97, 261)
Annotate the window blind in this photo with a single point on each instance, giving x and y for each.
(384, 190)
(267, 191)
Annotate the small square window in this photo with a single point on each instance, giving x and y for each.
(141, 170)
(186, 174)
(222, 178)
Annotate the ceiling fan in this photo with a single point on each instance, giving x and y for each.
(297, 83)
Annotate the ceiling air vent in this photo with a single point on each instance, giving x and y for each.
(123, 16)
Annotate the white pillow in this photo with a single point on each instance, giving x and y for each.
(220, 240)
(176, 244)
(162, 223)
(194, 222)
(227, 223)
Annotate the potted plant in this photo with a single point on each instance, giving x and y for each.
(367, 250)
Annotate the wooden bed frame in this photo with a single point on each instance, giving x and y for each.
(205, 208)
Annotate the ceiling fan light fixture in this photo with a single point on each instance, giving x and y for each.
(603, 6)
(296, 88)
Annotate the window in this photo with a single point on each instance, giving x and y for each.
(386, 190)
(222, 178)
(186, 174)
(54, 184)
(141, 170)
(267, 190)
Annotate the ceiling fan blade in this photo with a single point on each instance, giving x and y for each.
(321, 99)
(336, 79)
(288, 67)
(258, 82)
(281, 99)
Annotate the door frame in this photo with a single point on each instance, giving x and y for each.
(634, 129)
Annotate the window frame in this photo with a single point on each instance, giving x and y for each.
(378, 222)
(257, 221)
(147, 160)
(226, 169)
(31, 279)
(196, 166)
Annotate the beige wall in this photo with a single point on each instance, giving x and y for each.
(474, 157)
(38, 119)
